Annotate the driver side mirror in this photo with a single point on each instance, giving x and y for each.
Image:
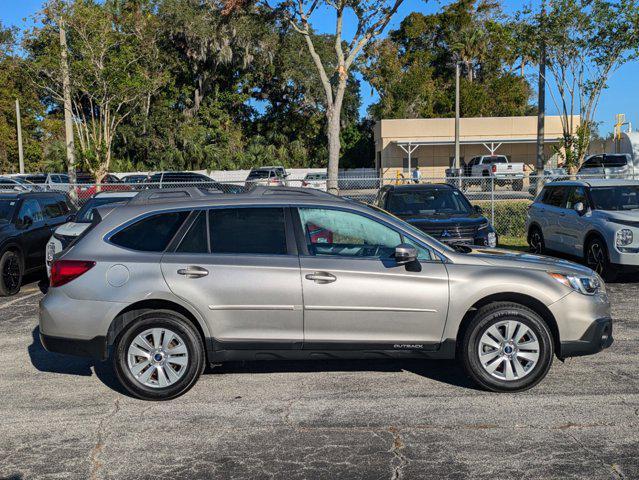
(478, 209)
(405, 253)
(580, 208)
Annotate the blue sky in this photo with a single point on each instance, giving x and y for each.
(622, 95)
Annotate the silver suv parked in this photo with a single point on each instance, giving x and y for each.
(164, 287)
(596, 220)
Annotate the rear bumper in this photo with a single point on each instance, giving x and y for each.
(597, 337)
(94, 348)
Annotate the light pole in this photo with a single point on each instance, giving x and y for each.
(541, 105)
(457, 162)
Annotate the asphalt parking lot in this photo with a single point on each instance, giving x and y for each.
(64, 417)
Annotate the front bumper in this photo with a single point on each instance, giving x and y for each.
(597, 337)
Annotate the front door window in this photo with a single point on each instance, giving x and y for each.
(346, 234)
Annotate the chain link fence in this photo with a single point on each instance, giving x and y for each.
(503, 201)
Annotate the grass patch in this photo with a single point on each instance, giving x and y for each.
(513, 243)
(510, 216)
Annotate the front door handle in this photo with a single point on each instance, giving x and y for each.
(321, 277)
(193, 271)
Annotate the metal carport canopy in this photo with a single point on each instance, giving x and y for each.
(409, 146)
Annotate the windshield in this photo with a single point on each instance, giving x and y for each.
(22, 181)
(618, 197)
(414, 230)
(435, 201)
(85, 215)
(261, 174)
(36, 178)
(6, 209)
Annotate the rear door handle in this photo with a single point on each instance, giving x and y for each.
(321, 277)
(193, 271)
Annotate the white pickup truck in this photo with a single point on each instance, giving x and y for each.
(495, 168)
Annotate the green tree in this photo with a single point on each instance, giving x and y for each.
(413, 69)
(371, 18)
(586, 42)
(111, 47)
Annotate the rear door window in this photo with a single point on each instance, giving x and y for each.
(151, 234)
(615, 161)
(51, 208)
(248, 231)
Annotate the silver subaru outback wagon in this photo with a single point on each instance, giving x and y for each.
(163, 286)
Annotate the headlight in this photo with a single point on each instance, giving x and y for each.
(588, 285)
(624, 237)
(492, 239)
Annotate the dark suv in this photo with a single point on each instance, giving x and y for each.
(440, 210)
(27, 220)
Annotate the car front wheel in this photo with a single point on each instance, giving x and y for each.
(536, 241)
(507, 348)
(159, 356)
(596, 257)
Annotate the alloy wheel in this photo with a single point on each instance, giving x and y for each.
(596, 257)
(11, 274)
(536, 242)
(509, 350)
(157, 357)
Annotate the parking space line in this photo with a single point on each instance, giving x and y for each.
(16, 300)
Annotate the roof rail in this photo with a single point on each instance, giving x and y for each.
(264, 190)
(171, 194)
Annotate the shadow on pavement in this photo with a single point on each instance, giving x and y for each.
(45, 361)
(445, 371)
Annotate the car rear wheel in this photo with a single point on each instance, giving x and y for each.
(597, 258)
(160, 356)
(10, 273)
(507, 348)
(536, 241)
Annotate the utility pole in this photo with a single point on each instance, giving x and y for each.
(68, 112)
(541, 104)
(457, 160)
(19, 127)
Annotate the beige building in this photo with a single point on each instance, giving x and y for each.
(430, 142)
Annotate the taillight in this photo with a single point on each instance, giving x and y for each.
(63, 271)
(494, 169)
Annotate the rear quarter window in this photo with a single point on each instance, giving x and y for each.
(150, 234)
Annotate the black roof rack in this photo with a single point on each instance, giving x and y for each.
(168, 194)
(311, 192)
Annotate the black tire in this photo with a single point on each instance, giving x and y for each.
(492, 315)
(600, 263)
(518, 185)
(175, 323)
(536, 241)
(11, 272)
